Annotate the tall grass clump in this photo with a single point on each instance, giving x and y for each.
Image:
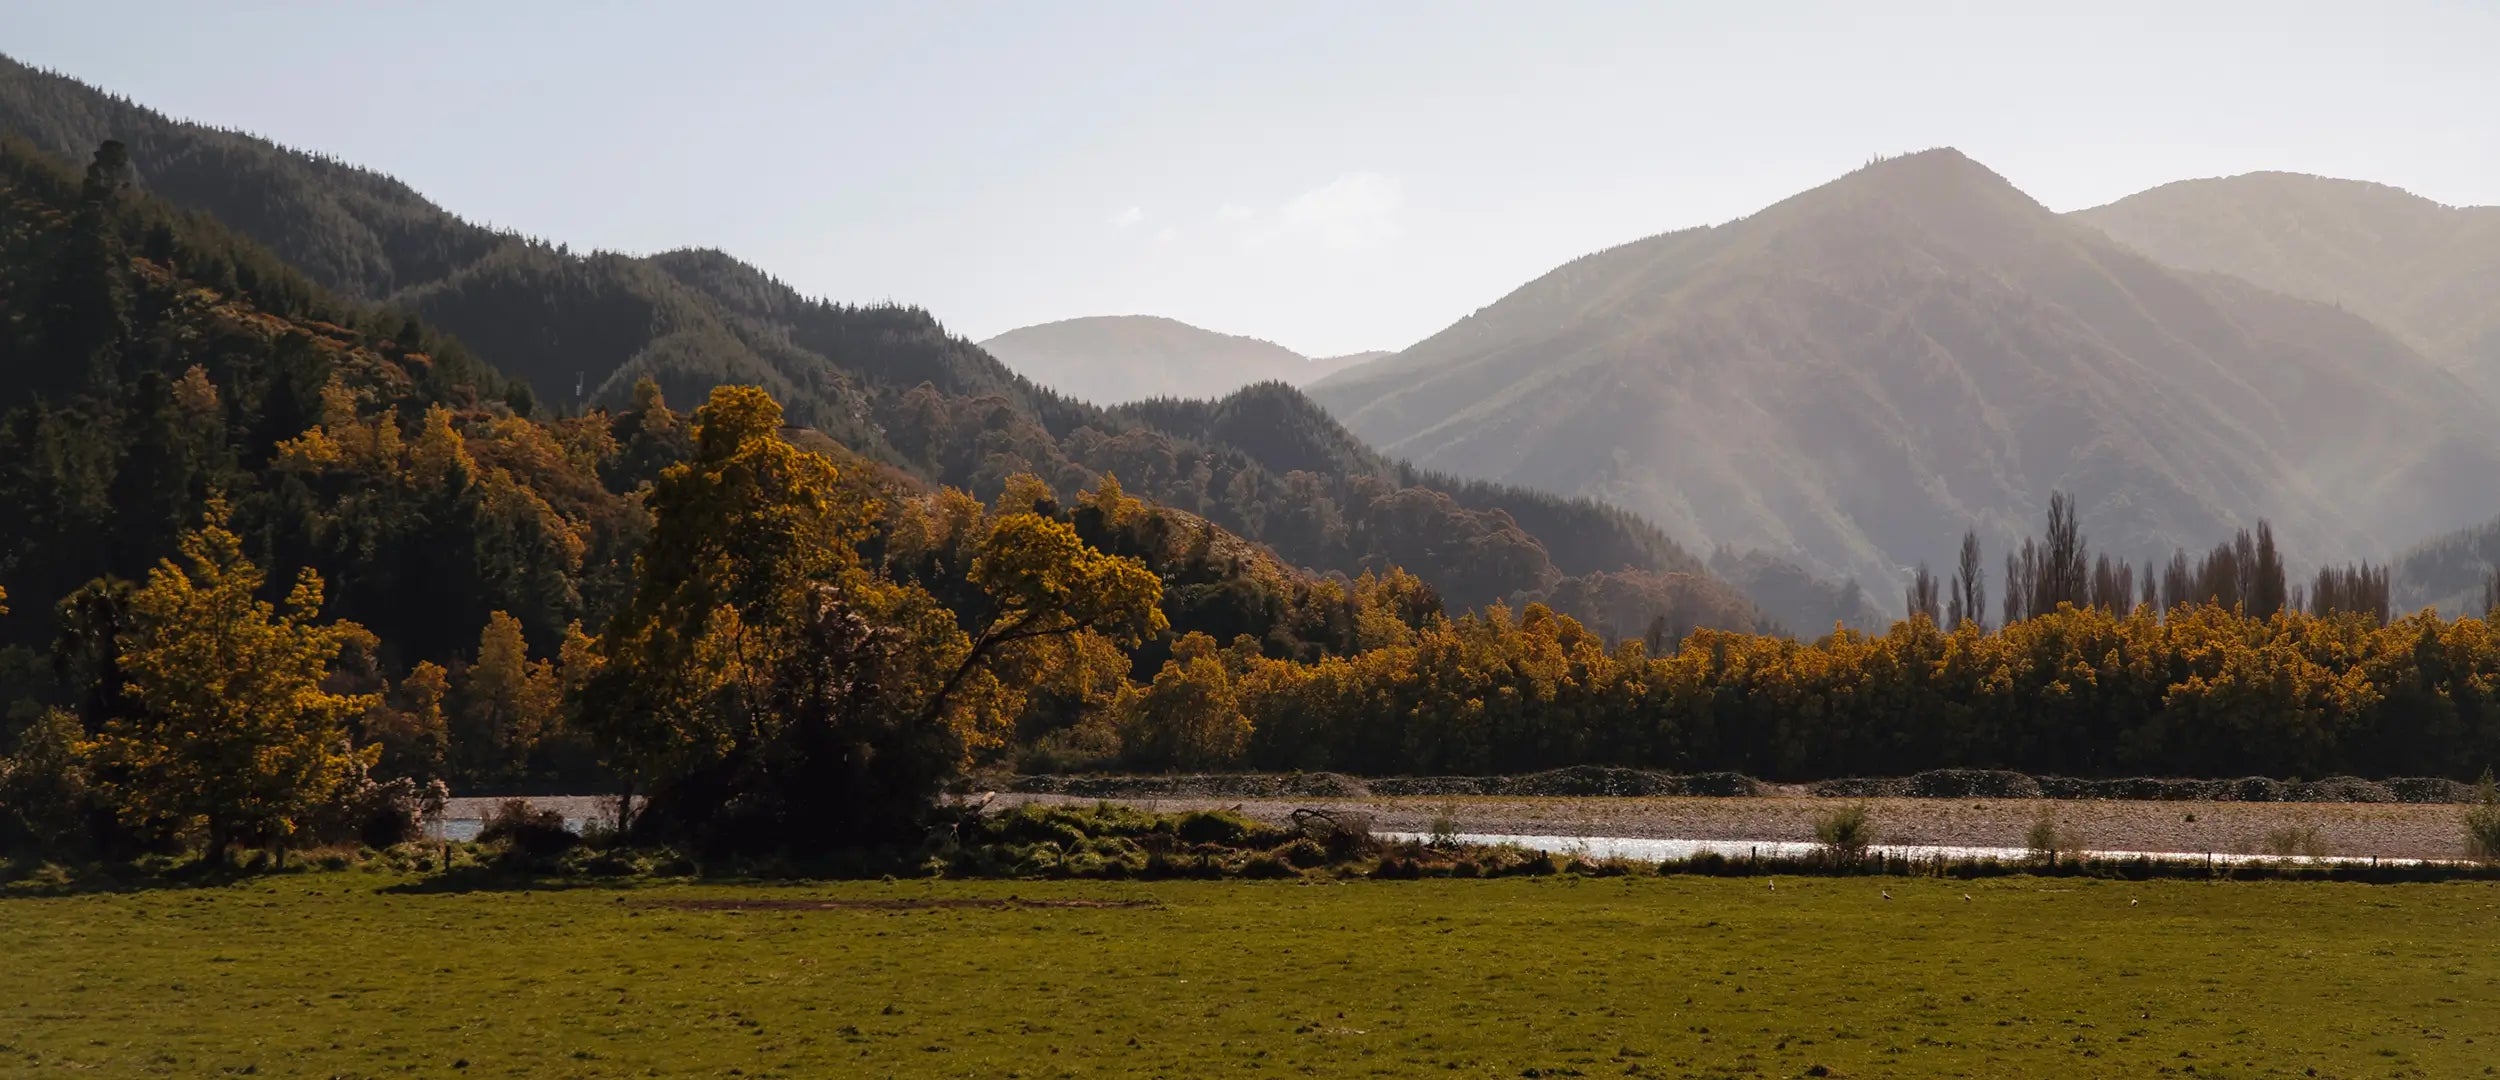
(1844, 835)
(2482, 821)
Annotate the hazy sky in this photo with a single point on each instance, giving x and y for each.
(1333, 176)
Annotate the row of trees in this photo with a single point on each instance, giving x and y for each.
(2202, 691)
(2244, 574)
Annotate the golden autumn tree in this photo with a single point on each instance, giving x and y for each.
(1040, 582)
(509, 702)
(411, 729)
(766, 688)
(230, 726)
(744, 532)
(1190, 716)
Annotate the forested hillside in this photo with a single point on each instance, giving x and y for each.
(156, 369)
(1852, 376)
(2453, 571)
(889, 383)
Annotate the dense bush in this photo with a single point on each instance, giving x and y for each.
(2482, 822)
(527, 830)
(1842, 835)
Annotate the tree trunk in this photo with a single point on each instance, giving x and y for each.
(625, 808)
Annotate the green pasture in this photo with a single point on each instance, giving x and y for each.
(362, 974)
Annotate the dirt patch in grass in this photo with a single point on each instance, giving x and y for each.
(930, 903)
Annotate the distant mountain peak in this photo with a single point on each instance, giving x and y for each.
(1854, 375)
(1942, 181)
(1109, 359)
(2424, 269)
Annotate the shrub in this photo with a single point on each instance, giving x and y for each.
(380, 814)
(2482, 821)
(1532, 864)
(2046, 841)
(1844, 834)
(1345, 834)
(1066, 826)
(45, 800)
(527, 830)
(1443, 830)
(1213, 827)
(1304, 853)
(2295, 840)
(1267, 866)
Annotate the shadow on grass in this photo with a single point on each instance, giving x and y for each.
(152, 874)
(505, 879)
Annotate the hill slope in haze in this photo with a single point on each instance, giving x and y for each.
(1853, 376)
(1109, 359)
(2426, 271)
(2451, 572)
(888, 383)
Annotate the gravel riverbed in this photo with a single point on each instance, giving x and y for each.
(2387, 830)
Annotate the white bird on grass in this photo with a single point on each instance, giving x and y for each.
(1887, 893)
(1966, 898)
(2132, 903)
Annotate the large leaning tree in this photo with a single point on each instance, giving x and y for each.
(765, 688)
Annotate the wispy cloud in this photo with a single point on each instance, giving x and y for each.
(1128, 218)
(1354, 212)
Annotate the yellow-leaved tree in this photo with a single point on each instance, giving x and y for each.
(767, 689)
(229, 727)
(1190, 716)
(510, 702)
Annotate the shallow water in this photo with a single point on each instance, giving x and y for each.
(466, 829)
(1650, 849)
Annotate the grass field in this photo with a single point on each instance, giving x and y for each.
(346, 974)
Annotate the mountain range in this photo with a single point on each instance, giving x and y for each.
(577, 330)
(2428, 272)
(1821, 394)
(1853, 376)
(1109, 359)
